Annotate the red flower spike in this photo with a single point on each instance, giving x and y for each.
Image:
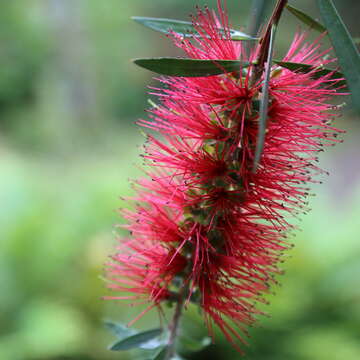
(202, 217)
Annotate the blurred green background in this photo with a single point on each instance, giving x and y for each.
(69, 97)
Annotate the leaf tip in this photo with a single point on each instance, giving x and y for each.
(136, 18)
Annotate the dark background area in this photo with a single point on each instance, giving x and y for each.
(69, 96)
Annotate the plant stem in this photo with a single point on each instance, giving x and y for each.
(265, 39)
(264, 104)
(174, 325)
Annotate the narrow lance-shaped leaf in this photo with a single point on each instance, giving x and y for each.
(316, 73)
(264, 102)
(190, 67)
(136, 341)
(193, 344)
(346, 51)
(257, 16)
(119, 330)
(184, 28)
(306, 19)
(162, 354)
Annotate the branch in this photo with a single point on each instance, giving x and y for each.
(174, 325)
(265, 39)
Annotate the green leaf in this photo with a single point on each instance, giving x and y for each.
(153, 344)
(189, 67)
(306, 19)
(119, 330)
(161, 355)
(346, 51)
(356, 40)
(183, 28)
(257, 15)
(136, 341)
(264, 103)
(194, 345)
(317, 72)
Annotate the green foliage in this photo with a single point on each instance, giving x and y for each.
(346, 51)
(23, 53)
(306, 19)
(190, 67)
(155, 339)
(161, 354)
(183, 28)
(119, 330)
(316, 73)
(257, 16)
(138, 340)
(191, 344)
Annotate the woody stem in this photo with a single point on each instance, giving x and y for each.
(265, 39)
(174, 325)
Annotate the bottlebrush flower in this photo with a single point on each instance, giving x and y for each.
(204, 223)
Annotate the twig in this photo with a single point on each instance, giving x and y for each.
(264, 104)
(174, 325)
(265, 39)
